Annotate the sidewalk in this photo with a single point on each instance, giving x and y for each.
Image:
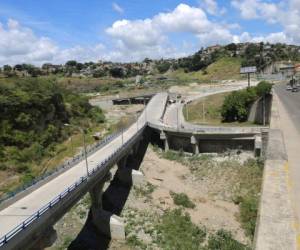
(292, 144)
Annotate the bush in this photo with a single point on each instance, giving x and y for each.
(181, 199)
(223, 240)
(263, 88)
(248, 214)
(176, 231)
(237, 104)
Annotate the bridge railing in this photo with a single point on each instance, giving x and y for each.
(14, 232)
(66, 165)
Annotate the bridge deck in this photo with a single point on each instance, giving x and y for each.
(16, 213)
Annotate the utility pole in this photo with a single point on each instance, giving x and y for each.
(187, 111)
(84, 146)
(85, 154)
(264, 110)
(203, 110)
(177, 117)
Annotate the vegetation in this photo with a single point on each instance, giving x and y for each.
(223, 240)
(144, 190)
(237, 104)
(248, 194)
(222, 69)
(33, 113)
(181, 199)
(176, 231)
(243, 181)
(205, 111)
(203, 65)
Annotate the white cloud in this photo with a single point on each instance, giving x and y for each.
(284, 14)
(20, 44)
(211, 7)
(116, 7)
(150, 36)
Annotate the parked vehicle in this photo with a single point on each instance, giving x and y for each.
(288, 87)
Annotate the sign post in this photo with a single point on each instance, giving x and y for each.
(248, 71)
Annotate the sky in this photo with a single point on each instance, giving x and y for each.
(40, 31)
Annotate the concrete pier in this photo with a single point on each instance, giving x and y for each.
(107, 223)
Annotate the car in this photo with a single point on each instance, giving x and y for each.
(288, 87)
(295, 89)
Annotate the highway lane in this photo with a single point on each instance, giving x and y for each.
(291, 102)
(16, 213)
(289, 122)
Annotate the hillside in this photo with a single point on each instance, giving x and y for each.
(260, 55)
(223, 69)
(33, 113)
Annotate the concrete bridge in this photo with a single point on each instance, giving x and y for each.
(133, 100)
(27, 222)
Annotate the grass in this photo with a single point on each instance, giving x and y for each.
(144, 191)
(243, 182)
(223, 240)
(181, 199)
(207, 110)
(226, 68)
(176, 231)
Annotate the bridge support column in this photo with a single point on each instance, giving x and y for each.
(127, 175)
(258, 146)
(195, 144)
(47, 240)
(107, 223)
(164, 138)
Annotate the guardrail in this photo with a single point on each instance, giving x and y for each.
(66, 165)
(10, 235)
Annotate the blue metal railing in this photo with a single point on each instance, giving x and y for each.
(7, 237)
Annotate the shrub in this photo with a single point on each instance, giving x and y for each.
(223, 240)
(237, 104)
(176, 231)
(181, 199)
(248, 213)
(263, 88)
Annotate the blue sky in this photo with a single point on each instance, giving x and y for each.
(128, 30)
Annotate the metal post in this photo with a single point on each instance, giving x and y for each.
(177, 118)
(137, 122)
(248, 80)
(264, 110)
(187, 112)
(203, 110)
(72, 146)
(85, 154)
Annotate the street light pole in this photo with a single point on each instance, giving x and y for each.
(84, 146)
(177, 117)
(85, 154)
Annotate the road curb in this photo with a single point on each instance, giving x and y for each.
(276, 221)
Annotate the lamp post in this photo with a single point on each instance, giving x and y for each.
(84, 145)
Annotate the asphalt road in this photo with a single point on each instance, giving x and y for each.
(291, 102)
(289, 114)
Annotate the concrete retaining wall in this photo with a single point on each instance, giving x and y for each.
(275, 228)
(257, 113)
